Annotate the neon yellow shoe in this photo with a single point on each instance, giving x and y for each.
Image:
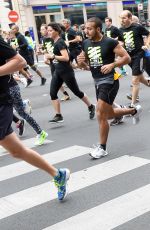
(41, 138)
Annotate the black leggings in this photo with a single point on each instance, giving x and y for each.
(69, 79)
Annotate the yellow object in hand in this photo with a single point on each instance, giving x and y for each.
(117, 76)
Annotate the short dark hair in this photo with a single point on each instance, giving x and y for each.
(27, 33)
(97, 22)
(55, 26)
(76, 25)
(62, 27)
(110, 19)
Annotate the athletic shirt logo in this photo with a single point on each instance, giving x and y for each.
(95, 56)
(129, 41)
(66, 36)
(49, 47)
(108, 33)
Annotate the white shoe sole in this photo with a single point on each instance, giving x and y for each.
(93, 157)
(56, 122)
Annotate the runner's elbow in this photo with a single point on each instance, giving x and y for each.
(21, 63)
(128, 59)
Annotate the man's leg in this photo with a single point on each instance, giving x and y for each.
(106, 95)
(105, 112)
(102, 117)
(102, 110)
(135, 88)
(145, 81)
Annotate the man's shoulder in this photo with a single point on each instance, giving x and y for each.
(107, 29)
(19, 35)
(114, 27)
(87, 41)
(71, 31)
(108, 39)
(109, 42)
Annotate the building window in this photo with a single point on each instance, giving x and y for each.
(131, 6)
(74, 12)
(98, 9)
(39, 20)
(55, 18)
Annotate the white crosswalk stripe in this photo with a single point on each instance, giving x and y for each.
(114, 212)
(10, 171)
(30, 143)
(111, 214)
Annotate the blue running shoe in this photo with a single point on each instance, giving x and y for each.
(61, 182)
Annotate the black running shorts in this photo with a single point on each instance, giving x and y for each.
(6, 116)
(107, 92)
(29, 59)
(136, 64)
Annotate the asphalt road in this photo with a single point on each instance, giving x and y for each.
(109, 193)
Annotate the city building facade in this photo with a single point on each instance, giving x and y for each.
(33, 13)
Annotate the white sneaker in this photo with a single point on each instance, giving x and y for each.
(136, 116)
(98, 152)
(23, 80)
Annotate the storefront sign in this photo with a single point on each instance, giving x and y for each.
(72, 5)
(53, 7)
(128, 2)
(96, 4)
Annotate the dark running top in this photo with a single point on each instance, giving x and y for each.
(61, 66)
(100, 53)
(6, 53)
(133, 38)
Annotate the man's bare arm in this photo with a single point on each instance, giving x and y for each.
(12, 65)
(123, 60)
(82, 61)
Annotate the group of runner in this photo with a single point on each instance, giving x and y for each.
(101, 55)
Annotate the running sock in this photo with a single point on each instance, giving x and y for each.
(65, 93)
(134, 112)
(90, 107)
(103, 146)
(132, 106)
(58, 114)
(57, 176)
